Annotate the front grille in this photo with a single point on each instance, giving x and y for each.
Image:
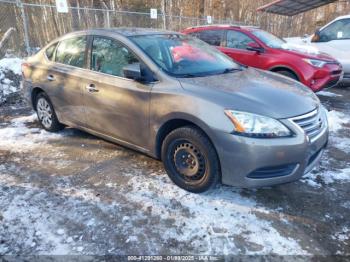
(337, 72)
(332, 83)
(311, 123)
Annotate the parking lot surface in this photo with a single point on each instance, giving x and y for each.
(73, 193)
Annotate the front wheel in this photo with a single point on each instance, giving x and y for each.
(46, 114)
(190, 159)
(287, 74)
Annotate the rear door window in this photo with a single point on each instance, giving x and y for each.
(194, 34)
(238, 40)
(72, 51)
(212, 37)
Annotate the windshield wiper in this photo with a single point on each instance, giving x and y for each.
(204, 74)
(190, 75)
(229, 70)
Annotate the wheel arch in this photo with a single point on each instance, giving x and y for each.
(285, 68)
(35, 92)
(177, 122)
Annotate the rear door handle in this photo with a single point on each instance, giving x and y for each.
(92, 88)
(50, 78)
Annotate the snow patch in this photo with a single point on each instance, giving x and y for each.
(6, 85)
(69, 240)
(341, 143)
(346, 204)
(316, 179)
(336, 120)
(132, 239)
(327, 93)
(11, 64)
(60, 231)
(343, 235)
(215, 220)
(18, 137)
(19, 213)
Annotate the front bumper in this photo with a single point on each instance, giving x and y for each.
(250, 162)
(346, 79)
(329, 76)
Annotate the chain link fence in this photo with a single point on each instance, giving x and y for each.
(32, 26)
(27, 25)
(12, 36)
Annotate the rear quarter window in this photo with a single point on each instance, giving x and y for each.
(50, 51)
(212, 37)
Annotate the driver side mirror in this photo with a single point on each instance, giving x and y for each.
(253, 46)
(316, 37)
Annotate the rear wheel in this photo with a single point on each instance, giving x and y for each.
(46, 113)
(190, 159)
(287, 74)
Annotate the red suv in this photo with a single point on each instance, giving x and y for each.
(254, 47)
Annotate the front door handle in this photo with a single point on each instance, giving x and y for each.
(91, 88)
(50, 78)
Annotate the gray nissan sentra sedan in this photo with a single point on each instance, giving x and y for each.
(178, 99)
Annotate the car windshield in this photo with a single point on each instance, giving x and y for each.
(184, 56)
(269, 39)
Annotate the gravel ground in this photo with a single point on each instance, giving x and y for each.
(72, 193)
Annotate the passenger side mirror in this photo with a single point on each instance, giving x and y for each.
(132, 71)
(253, 46)
(138, 72)
(316, 37)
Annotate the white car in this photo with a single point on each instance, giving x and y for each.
(334, 39)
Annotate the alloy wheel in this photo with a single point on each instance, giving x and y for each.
(44, 112)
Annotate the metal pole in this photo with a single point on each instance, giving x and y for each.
(163, 11)
(108, 21)
(289, 24)
(25, 26)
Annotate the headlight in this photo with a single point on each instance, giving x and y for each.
(256, 125)
(315, 62)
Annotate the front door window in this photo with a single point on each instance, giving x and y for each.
(110, 57)
(237, 40)
(336, 31)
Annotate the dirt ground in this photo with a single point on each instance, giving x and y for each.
(73, 193)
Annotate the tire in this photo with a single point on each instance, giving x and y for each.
(287, 74)
(191, 160)
(46, 113)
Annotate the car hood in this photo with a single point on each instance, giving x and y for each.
(310, 53)
(336, 49)
(307, 51)
(255, 91)
(305, 43)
